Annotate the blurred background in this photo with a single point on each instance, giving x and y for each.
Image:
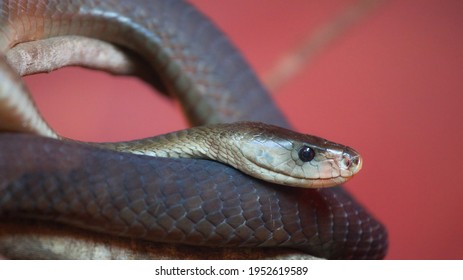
(385, 77)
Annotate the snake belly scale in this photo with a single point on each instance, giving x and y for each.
(215, 79)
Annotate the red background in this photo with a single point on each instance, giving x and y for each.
(391, 87)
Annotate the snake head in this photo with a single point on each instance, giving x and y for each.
(285, 157)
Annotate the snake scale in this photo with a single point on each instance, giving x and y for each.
(196, 202)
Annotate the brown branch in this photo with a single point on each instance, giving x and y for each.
(290, 63)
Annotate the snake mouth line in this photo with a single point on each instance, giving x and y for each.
(292, 179)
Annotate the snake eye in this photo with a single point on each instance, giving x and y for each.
(306, 153)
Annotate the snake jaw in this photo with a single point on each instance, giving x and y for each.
(250, 167)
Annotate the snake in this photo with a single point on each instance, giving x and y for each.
(130, 190)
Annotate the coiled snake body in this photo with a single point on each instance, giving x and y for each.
(177, 200)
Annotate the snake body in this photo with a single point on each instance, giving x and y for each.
(151, 198)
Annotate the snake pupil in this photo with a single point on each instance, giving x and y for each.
(306, 154)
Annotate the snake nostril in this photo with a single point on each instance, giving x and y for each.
(347, 162)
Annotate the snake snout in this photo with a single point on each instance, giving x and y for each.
(351, 161)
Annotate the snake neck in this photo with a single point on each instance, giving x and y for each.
(215, 142)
